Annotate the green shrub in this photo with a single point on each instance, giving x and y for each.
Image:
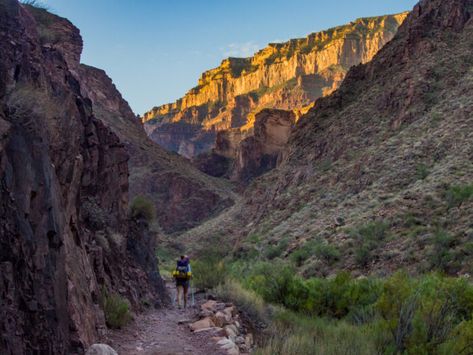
(275, 251)
(441, 256)
(301, 255)
(117, 310)
(457, 195)
(327, 252)
(429, 314)
(209, 270)
(422, 171)
(141, 207)
(368, 237)
(274, 282)
(295, 334)
(421, 314)
(246, 300)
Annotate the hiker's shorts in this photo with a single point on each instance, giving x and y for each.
(183, 283)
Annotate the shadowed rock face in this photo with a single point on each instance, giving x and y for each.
(64, 235)
(285, 76)
(259, 153)
(183, 195)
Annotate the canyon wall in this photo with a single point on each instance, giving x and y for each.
(65, 235)
(377, 175)
(287, 76)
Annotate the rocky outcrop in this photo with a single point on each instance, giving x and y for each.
(65, 236)
(259, 153)
(286, 76)
(183, 196)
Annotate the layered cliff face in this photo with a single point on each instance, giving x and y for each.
(64, 234)
(183, 196)
(287, 76)
(377, 176)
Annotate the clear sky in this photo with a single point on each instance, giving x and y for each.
(155, 50)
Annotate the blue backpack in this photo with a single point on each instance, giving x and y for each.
(182, 270)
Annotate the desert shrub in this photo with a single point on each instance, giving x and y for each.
(327, 252)
(462, 340)
(459, 194)
(368, 237)
(116, 310)
(340, 296)
(429, 314)
(292, 333)
(142, 207)
(247, 301)
(421, 314)
(275, 251)
(422, 171)
(441, 256)
(209, 270)
(300, 255)
(275, 282)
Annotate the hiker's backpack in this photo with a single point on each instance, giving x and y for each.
(182, 271)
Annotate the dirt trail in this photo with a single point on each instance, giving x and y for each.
(158, 332)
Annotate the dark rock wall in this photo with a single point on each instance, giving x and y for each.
(64, 232)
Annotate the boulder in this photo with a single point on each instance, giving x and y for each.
(221, 319)
(210, 305)
(233, 351)
(202, 324)
(205, 313)
(101, 349)
(230, 332)
(230, 311)
(249, 340)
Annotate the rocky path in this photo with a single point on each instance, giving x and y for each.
(163, 332)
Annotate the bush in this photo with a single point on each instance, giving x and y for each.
(441, 256)
(209, 270)
(457, 195)
(246, 300)
(327, 252)
(117, 311)
(431, 314)
(422, 171)
(295, 334)
(141, 207)
(275, 251)
(368, 237)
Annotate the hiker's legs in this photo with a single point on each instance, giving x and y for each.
(180, 290)
(186, 289)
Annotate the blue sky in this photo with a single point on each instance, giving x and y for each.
(155, 50)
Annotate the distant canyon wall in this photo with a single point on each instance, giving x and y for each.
(288, 76)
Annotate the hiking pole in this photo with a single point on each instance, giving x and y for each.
(174, 298)
(192, 293)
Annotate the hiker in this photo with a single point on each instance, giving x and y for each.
(182, 275)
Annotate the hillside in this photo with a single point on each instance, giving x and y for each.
(378, 175)
(288, 75)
